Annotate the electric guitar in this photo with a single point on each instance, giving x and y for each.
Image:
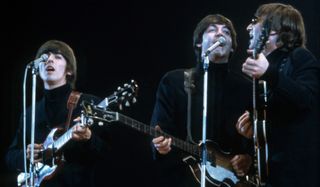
(52, 156)
(219, 168)
(259, 90)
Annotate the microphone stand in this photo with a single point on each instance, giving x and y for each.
(35, 68)
(204, 121)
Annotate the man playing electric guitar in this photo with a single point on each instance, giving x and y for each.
(179, 105)
(292, 74)
(58, 75)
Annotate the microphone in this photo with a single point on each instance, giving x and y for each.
(36, 62)
(221, 41)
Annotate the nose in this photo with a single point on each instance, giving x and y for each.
(249, 27)
(50, 58)
(219, 32)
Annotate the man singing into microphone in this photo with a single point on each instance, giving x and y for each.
(292, 74)
(86, 146)
(179, 106)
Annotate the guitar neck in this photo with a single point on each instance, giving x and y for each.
(183, 145)
(63, 139)
(254, 99)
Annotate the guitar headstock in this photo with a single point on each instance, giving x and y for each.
(92, 113)
(124, 95)
(102, 112)
(262, 39)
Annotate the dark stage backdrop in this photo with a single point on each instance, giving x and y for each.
(115, 41)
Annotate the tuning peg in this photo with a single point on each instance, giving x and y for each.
(122, 98)
(127, 104)
(120, 107)
(100, 123)
(134, 100)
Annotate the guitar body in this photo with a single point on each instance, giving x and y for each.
(261, 152)
(260, 134)
(218, 168)
(43, 172)
(51, 161)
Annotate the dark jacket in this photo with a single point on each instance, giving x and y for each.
(293, 117)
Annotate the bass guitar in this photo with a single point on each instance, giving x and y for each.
(219, 169)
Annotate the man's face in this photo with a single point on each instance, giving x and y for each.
(211, 36)
(53, 72)
(255, 30)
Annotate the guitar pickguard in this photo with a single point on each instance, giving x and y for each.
(42, 172)
(215, 175)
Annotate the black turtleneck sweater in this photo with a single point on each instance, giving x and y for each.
(55, 106)
(217, 74)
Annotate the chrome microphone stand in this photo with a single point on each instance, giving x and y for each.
(34, 66)
(204, 121)
(34, 69)
(205, 58)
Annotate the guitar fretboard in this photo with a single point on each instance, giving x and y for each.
(214, 153)
(62, 140)
(183, 145)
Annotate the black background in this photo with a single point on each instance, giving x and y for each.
(114, 42)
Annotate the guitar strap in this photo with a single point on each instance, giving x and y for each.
(72, 103)
(189, 87)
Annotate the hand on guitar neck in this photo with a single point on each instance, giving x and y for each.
(255, 67)
(162, 144)
(80, 132)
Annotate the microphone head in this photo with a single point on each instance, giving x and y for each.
(44, 57)
(38, 61)
(222, 40)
